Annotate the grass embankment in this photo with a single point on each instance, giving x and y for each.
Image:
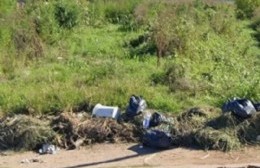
(61, 55)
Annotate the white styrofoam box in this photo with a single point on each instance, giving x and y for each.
(106, 111)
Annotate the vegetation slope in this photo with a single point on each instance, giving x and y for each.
(61, 55)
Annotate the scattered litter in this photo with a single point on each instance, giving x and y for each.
(48, 149)
(31, 161)
(106, 111)
(241, 107)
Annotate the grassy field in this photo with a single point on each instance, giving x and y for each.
(63, 55)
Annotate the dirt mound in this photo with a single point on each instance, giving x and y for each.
(77, 130)
(24, 132)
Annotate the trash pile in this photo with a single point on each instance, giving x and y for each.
(237, 123)
(192, 129)
(188, 123)
(75, 130)
(24, 132)
(212, 128)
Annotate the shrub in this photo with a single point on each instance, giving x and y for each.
(45, 23)
(114, 11)
(245, 8)
(24, 38)
(168, 26)
(67, 15)
(256, 24)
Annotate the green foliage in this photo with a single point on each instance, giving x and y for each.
(245, 8)
(45, 23)
(6, 7)
(67, 15)
(170, 25)
(256, 25)
(114, 11)
(62, 55)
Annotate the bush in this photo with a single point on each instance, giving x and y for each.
(245, 8)
(45, 23)
(67, 15)
(25, 41)
(170, 24)
(256, 24)
(114, 11)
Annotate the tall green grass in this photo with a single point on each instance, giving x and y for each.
(51, 64)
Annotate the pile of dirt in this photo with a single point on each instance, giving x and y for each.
(80, 130)
(24, 132)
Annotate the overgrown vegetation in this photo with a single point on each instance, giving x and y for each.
(63, 55)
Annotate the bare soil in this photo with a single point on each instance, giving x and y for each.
(132, 155)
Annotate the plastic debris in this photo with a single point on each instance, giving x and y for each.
(147, 119)
(31, 161)
(48, 149)
(106, 111)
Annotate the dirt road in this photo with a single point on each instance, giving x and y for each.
(131, 155)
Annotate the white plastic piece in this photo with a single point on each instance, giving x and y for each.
(142, 106)
(106, 111)
(146, 121)
(250, 109)
(48, 149)
(258, 138)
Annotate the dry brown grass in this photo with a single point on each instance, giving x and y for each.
(24, 132)
(205, 127)
(87, 130)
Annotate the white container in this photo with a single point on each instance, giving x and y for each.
(105, 111)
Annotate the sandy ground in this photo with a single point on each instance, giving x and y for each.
(131, 155)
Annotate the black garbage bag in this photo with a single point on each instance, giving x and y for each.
(136, 106)
(243, 108)
(257, 106)
(157, 139)
(156, 119)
